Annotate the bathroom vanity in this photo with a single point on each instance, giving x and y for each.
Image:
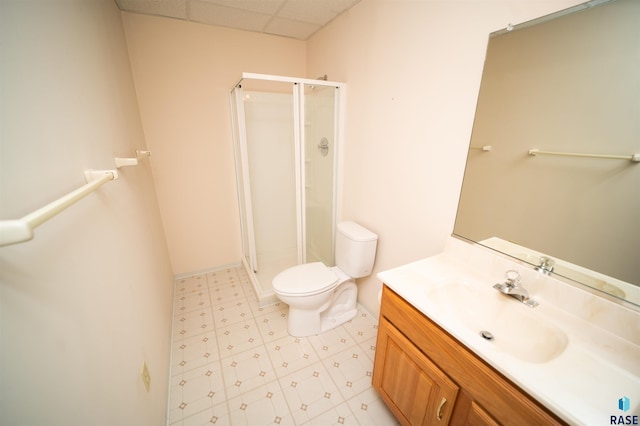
(453, 350)
(427, 377)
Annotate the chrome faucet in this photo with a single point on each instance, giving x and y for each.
(546, 265)
(512, 288)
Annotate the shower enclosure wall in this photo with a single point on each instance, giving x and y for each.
(286, 138)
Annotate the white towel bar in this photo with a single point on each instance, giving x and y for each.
(633, 157)
(21, 230)
(483, 147)
(122, 162)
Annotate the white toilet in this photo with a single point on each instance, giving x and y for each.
(321, 297)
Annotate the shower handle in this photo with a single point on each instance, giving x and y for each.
(323, 147)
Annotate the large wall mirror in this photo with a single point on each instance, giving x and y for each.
(568, 83)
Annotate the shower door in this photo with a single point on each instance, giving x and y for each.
(285, 139)
(320, 169)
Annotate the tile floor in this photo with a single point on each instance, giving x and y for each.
(233, 362)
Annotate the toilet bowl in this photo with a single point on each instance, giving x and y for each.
(321, 297)
(329, 298)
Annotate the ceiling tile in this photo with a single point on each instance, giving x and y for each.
(208, 13)
(294, 29)
(315, 11)
(171, 8)
(289, 18)
(268, 7)
(308, 11)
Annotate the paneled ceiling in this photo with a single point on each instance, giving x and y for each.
(297, 19)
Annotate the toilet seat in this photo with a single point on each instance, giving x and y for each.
(305, 280)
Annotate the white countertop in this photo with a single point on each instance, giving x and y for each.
(600, 363)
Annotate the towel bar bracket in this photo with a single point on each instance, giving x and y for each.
(91, 175)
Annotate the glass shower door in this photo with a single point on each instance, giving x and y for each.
(319, 135)
(270, 170)
(242, 178)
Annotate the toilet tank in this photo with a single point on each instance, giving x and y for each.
(355, 249)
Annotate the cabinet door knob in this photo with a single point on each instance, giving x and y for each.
(440, 407)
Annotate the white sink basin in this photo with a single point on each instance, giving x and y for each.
(515, 328)
(575, 352)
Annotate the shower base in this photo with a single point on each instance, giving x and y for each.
(269, 267)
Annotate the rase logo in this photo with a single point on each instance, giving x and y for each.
(624, 405)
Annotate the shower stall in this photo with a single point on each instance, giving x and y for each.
(286, 138)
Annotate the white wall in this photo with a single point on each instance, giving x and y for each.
(413, 70)
(89, 299)
(183, 73)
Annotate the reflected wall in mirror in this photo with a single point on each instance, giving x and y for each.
(569, 82)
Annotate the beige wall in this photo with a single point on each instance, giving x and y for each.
(413, 70)
(90, 298)
(183, 72)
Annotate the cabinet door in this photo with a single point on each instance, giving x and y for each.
(469, 413)
(415, 389)
(478, 416)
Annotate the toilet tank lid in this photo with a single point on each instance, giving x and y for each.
(356, 232)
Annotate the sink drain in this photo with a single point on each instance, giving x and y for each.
(486, 335)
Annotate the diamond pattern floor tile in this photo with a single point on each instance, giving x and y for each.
(233, 362)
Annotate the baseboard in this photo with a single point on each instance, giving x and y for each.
(206, 271)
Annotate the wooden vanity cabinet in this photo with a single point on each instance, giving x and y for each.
(417, 391)
(426, 377)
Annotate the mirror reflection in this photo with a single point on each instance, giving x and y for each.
(566, 83)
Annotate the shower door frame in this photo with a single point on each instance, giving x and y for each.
(244, 189)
